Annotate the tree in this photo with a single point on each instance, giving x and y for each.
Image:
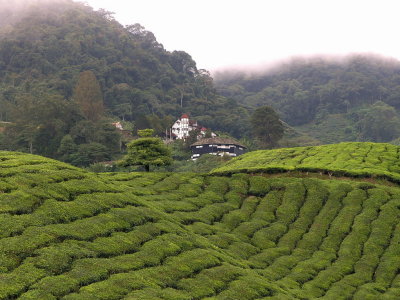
(39, 123)
(147, 151)
(88, 95)
(67, 148)
(266, 126)
(378, 123)
(89, 154)
(192, 138)
(203, 84)
(208, 133)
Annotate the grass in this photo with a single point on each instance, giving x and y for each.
(66, 233)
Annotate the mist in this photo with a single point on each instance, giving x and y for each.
(14, 10)
(269, 68)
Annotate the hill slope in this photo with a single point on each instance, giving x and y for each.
(344, 159)
(47, 44)
(70, 234)
(353, 98)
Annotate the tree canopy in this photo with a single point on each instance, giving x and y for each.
(64, 46)
(89, 97)
(147, 151)
(313, 94)
(66, 51)
(266, 126)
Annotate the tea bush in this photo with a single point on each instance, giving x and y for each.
(345, 159)
(66, 233)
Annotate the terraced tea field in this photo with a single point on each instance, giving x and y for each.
(70, 234)
(345, 159)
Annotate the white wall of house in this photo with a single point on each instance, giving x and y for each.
(183, 126)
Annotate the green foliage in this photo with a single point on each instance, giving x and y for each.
(67, 148)
(39, 123)
(258, 186)
(52, 126)
(379, 123)
(88, 154)
(316, 93)
(344, 159)
(88, 95)
(69, 50)
(66, 233)
(331, 128)
(147, 151)
(396, 142)
(179, 150)
(145, 133)
(203, 164)
(266, 126)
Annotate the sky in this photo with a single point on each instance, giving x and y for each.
(221, 34)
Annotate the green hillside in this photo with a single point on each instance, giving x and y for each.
(70, 234)
(45, 49)
(352, 98)
(345, 159)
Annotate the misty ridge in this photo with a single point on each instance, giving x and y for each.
(147, 85)
(331, 98)
(13, 11)
(232, 73)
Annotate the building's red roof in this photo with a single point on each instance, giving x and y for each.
(184, 116)
(203, 129)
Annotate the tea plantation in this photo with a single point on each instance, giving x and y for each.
(345, 159)
(70, 234)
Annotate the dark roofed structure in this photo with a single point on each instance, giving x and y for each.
(217, 146)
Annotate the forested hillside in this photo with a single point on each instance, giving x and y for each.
(70, 234)
(355, 98)
(51, 51)
(46, 45)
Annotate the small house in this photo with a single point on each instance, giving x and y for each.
(217, 146)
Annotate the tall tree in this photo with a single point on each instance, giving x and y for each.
(88, 95)
(379, 122)
(266, 126)
(147, 151)
(38, 124)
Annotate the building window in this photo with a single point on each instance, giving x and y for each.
(199, 146)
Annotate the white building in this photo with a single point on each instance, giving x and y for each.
(183, 126)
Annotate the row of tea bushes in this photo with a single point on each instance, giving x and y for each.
(70, 234)
(345, 159)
